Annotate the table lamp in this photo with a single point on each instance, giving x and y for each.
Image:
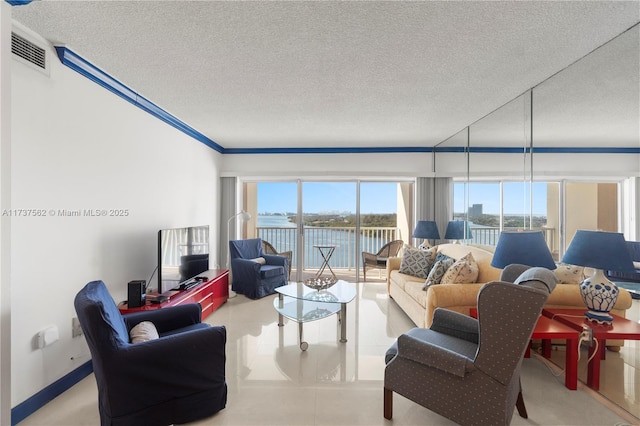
(458, 230)
(427, 230)
(523, 247)
(601, 251)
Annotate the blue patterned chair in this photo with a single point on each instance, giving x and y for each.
(468, 370)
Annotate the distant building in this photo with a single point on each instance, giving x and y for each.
(475, 210)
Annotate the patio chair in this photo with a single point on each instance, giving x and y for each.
(269, 249)
(379, 259)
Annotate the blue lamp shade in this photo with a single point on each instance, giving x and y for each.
(456, 230)
(601, 251)
(426, 229)
(523, 247)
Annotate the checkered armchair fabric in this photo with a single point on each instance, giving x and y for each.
(464, 369)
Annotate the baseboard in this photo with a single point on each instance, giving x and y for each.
(37, 401)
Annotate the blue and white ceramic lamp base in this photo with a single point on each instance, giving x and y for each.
(600, 296)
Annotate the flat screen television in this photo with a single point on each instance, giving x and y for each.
(183, 254)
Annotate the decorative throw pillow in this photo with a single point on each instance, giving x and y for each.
(417, 262)
(441, 263)
(569, 274)
(465, 270)
(260, 260)
(143, 332)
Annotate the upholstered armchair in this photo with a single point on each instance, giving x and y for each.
(379, 260)
(175, 374)
(468, 370)
(253, 272)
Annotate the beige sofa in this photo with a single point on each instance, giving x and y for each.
(406, 290)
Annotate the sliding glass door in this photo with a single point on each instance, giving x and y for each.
(327, 224)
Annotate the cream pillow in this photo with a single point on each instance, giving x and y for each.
(260, 260)
(569, 274)
(143, 332)
(465, 270)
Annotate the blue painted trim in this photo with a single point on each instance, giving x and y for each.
(333, 150)
(539, 150)
(18, 2)
(37, 401)
(81, 66)
(611, 150)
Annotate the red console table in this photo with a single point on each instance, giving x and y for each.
(211, 294)
(620, 328)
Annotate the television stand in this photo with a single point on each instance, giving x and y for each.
(211, 294)
(189, 285)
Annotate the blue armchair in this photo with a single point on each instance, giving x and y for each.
(177, 377)
(253, 272)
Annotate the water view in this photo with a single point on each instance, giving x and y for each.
(332, 230)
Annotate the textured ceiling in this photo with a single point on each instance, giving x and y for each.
(330, 74)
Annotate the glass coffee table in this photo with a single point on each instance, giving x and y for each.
(301, 304)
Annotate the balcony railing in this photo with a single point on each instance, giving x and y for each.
(344, 238)
(371, 240)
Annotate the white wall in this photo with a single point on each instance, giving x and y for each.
(77, 146)
(328, 165)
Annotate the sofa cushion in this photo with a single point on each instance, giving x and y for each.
(417, 262)
(268, 271)
(465, 270)
(569, 274)
(414, 290)
(440, 266)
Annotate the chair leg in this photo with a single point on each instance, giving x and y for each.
(388, 404)
(522, 410)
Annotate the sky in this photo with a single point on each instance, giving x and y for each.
(515, 202)
(319, 197)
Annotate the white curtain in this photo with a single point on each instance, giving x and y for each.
(434, 201)
(228, 187)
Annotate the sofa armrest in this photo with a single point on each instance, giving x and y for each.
(450, 295)
(393, 263)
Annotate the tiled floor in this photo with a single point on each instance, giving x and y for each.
(272, 382)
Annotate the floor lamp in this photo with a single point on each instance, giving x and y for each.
(244, 216)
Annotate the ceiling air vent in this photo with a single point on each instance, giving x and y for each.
(28, 51)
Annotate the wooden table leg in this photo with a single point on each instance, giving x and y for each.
(593, 369)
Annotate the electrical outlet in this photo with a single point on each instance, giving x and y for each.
(76, 329)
